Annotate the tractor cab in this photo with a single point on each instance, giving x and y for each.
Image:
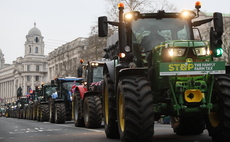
(94, 75)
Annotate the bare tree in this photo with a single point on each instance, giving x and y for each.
(144, 6)
(226, 40)
(205, 30)
(96, 44)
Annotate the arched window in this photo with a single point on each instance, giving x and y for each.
(36, 39)
(30, 49)
(36, 49)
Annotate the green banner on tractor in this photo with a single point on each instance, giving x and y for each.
(192, 68)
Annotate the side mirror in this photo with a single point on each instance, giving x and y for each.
(102, 26)
(52, 82)
(79, 71)
(218, 23)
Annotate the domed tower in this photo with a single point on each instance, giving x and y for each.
(34, 44)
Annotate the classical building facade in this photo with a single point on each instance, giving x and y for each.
(26, 73)
(64, 61)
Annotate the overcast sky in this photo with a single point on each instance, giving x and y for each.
(61, 21)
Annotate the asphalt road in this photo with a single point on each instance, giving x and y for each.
(21, 130)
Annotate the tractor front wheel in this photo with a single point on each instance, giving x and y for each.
(92, 112)
(78, 120)
(44, 112)
(51, 116)
(38, 113)
(109, 108)
(34, 112)
(135, 109)
(218, 121)
(60, 112)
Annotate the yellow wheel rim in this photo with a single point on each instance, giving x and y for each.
(214, 119)
(121, 112)
(106, 105)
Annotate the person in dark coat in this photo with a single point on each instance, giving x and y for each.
(152, 40)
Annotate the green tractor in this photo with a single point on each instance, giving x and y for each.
(21, 103)
(31, 106)
(61, 101)
(159, 67)
(44, 98)
(9, 109)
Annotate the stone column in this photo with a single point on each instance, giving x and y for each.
(24, 86)
(32, 82)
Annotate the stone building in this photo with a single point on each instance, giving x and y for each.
(64, 61)
(28, 72)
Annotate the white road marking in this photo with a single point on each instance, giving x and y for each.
(94, 130)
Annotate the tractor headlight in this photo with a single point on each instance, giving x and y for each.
(201, 51)
(176, 52)
(94, 64)
(131, 16)
(121, 55)
(128, 16)
(187, 14)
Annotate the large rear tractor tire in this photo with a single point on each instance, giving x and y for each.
(23, 111)
(218, 121)
(52, 113)
(44, 112)
(135, 109)
(7, 114)
(188, 125)
(30, 113)
(92, 112)
(38, 114)
(20, 114)
(78, 119)
(109, 108)
(60, 112)
(34, 113)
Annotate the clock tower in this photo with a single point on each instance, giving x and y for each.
(34, 45)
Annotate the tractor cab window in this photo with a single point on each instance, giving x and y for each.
(97, 74)
(150, 32)
(68, 85)
(23, 100)
(50, 90)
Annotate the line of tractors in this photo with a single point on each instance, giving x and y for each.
(144, 78)
(65, 99)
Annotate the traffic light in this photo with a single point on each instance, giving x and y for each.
(218, 52)
(215, 43)
(215, 35)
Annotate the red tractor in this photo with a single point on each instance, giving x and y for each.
(87, 98)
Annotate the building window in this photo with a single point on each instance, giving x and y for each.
(28, 67)
(36, 39)
(28, 78)
(37, 67)
(37, 78)
(36, 49)
(28, 89)
(30, 49)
